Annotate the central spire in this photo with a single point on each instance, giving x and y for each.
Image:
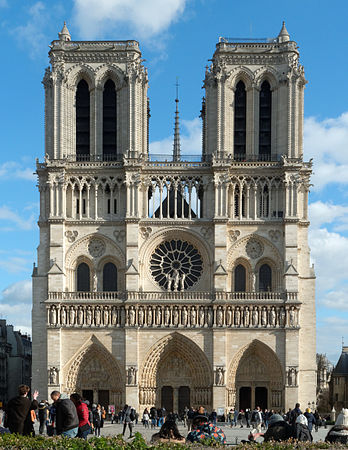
(176, 145)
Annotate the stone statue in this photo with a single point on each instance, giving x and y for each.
(53, 316)
(292, 377)
(253, 281)
(131, 375)
(72, 314)
(255, 316)
(80, 316)
(219, 317)
(210, 317)
(228, 317)
(97, 316)
(219, 376)
(272, 317)
(106, 316)
(264, 317)
(53, 376)
(193, 316)
(95, 283)
(246, 317)
(89, 316)
(141, 317)
(113, 316)
(184, 316)
(182, 281)
(149, 317)
(237, 317)
(158, 316)
(63, 316)
(292, 317)
(201, 316)
(170, 280)
(176, 277)
(282, 317)
(131, 315)
(175, 317)
(166, 316)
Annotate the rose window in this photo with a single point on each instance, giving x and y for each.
(176, 265)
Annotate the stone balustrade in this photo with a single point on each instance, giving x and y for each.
(172, 315)
(167, 296)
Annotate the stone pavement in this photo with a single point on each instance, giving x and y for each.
(234, 435)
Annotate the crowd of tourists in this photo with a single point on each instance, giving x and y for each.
(75, 417)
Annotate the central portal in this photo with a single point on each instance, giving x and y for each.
(175, 399)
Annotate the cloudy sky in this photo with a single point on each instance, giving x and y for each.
(177, 38)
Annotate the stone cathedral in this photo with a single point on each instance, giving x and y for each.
(174, 280)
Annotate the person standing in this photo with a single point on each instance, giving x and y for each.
(294, 414)
(83, 415)
(247, 417)
(97, 420)
(67, 421)
(310, 419)
(128, 419)
(256, 419)
(18, 412)
(146, 418)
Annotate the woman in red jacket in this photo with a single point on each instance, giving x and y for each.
(83, 415)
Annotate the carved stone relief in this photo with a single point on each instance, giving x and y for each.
(96, 248)
(71, 235)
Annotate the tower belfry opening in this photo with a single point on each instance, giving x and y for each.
(172, 280)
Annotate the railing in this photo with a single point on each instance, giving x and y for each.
(232, 40)
(191, 296)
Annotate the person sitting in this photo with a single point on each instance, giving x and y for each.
(168, 433)
(339, 432)
(278, 430)
(203, 430)
(301, 430)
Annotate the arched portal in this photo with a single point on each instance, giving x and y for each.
(95, 374)
(176, 373)
(255, 378)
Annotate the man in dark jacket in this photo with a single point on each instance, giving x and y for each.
(294, 414)
(18, 412)
(67, 421)
(43, 415)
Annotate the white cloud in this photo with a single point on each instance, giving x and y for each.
(17, 292)
(330, 332)
(329, 251)
(31, 35)
(190, 140)
(326, 141)
(14, 170)
(145, 18)
(15, 264)
(321, 213)
(6, 214)
(15, 305)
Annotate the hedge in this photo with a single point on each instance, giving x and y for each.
(15, 441)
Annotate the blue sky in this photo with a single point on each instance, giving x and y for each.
(177, 38)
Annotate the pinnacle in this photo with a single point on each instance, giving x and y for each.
(283, 36)
(64, 35)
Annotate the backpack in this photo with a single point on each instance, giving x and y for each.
(132, 415)
(255, 417)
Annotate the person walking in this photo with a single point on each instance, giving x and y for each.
(310, 419)
(146, 418)
(67, 421)
(83, 415)
(43, 415)
(18, 412)
(128, 419)
(294, 414)
(256, 419)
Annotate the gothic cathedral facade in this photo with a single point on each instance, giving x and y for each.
(174, 281)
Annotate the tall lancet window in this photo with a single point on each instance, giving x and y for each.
(265, 121)
(109, 121)
(82, 121)
(240, 121)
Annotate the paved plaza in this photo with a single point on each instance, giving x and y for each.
(234, 435)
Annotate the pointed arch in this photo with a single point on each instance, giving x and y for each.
(189, 351)
(93, 360)
(265, 357)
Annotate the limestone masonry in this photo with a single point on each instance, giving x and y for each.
(173, 280)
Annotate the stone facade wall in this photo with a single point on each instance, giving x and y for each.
(223, 340)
